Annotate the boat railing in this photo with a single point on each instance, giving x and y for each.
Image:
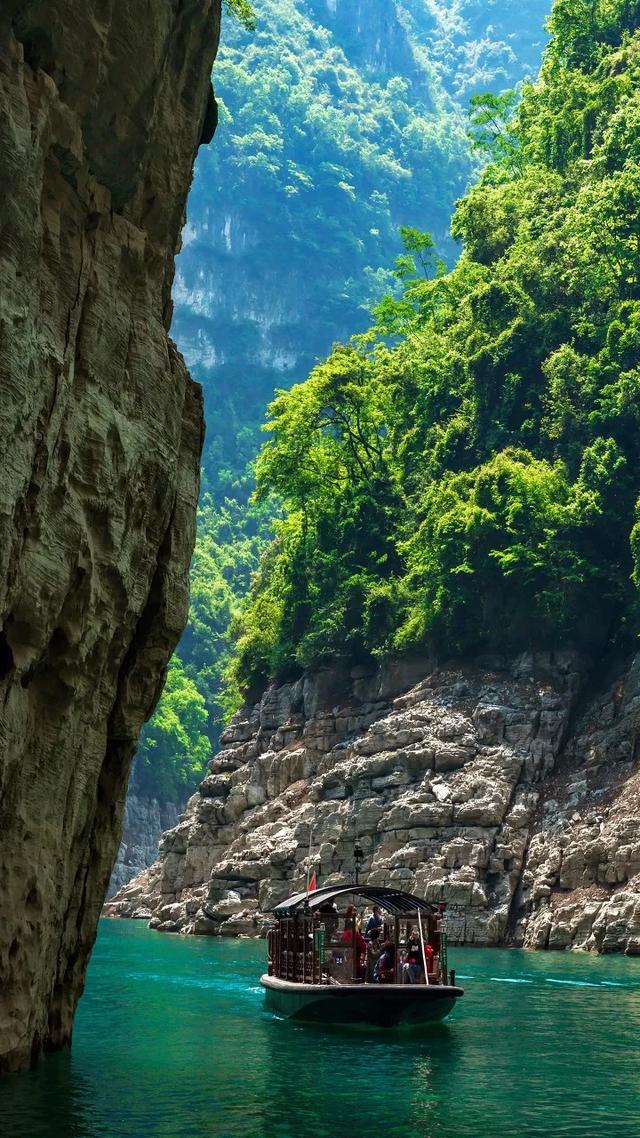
(313, 949)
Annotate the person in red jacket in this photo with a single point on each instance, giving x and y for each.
(347, 935)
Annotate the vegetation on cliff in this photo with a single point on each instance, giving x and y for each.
(174, 748)
(466, 473)
(338, 123)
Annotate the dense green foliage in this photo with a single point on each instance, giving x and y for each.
(325, 146)
(243, 11)
(174, 747)
(466, 474)
(339, 122)
(178, 741)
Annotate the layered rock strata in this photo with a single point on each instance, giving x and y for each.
(101, 111)
(581, 884)
(144, 822)
(489, 789)
(441, 785)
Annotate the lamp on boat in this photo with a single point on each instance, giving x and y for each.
(358, 857)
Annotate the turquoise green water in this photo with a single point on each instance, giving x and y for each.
(172, 1041)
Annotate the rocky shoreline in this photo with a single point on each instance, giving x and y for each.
(498, 786)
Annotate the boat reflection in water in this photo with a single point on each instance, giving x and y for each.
(322, 969)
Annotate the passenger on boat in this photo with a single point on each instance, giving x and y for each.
(384, 971)
(413, 963)
(374, 924)
(328, 907)
(374, 951)
(347, 933)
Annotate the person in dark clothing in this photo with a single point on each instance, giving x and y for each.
(374, 951)
(328, 907)
(412, 967)
(375, 922)
(385, 969)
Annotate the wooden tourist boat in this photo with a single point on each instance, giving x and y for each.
(322, 969)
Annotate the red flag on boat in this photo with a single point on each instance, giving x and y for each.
(312, 882)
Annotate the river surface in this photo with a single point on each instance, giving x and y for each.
(172, 1041)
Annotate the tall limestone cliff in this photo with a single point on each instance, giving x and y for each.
(102, 107)
(505, 788)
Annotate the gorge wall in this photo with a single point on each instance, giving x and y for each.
(144, 822)
(504, 788)
(101, 111)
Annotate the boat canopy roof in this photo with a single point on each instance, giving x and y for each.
(393, 901)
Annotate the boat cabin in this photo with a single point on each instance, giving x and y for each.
(327, 937)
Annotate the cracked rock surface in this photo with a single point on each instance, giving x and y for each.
(581, 886)
(444, 782)
(507, 791)
(102, 107)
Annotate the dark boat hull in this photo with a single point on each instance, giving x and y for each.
(381, 1005)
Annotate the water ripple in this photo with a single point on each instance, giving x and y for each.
(173, 1041)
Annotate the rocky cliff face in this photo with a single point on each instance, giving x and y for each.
(471, 786)
(373, 33)
(581, 885)
(101, 110)
(144, 822)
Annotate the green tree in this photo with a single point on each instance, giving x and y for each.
(492, 126)
(174, 747)
(465, 475)
(243, 11)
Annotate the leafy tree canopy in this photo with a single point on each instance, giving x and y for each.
(243, 11)
(466, 474)
(333, 133)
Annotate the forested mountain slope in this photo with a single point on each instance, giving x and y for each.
(449, 610)
(340, 121)
(466, 475)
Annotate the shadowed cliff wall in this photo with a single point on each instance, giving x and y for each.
(102, 107)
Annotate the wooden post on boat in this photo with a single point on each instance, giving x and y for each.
(424, 955)
(396, 952)
(444, 963)
(305, 921)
